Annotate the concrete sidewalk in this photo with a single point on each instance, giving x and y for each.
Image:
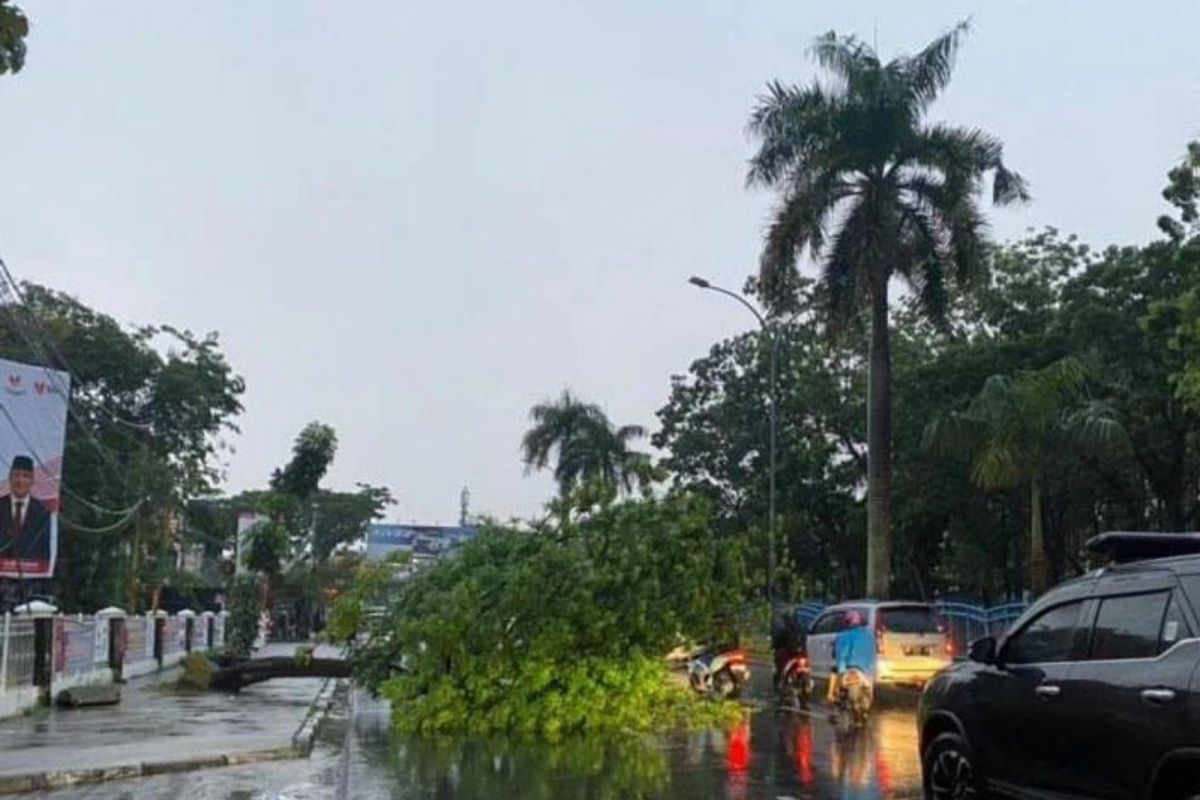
(153, 731)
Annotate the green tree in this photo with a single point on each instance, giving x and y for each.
(243, 616)
(484, 652)
(342, 517)
(872, 191)
(1183, 192)
(150, 411)
(713, 431)
(312, 453)
(14, 27)
(1014, 426)
(583, 444)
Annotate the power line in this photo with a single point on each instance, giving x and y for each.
(14, 290)
(121, 523)
(22, 331)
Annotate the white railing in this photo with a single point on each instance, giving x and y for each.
(16, 652)
(78, 649)
(218, 642)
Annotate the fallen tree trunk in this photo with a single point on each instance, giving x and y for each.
(235, 675)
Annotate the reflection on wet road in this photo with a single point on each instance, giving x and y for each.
(775, 755)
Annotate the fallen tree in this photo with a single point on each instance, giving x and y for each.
(233, 675)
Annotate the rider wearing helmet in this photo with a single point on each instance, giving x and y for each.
(854, 648)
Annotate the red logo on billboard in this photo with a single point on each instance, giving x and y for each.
(40, 387)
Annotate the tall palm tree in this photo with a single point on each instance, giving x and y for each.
(584, 444)
(870, 190)
(1014, 426)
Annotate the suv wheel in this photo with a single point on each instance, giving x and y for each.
(948, 769)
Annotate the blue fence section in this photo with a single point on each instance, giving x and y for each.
(807, 612)
(963, 621)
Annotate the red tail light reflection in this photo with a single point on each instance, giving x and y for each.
(804, 755)
(737, 754)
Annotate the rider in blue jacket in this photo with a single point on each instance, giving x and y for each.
(854, 648)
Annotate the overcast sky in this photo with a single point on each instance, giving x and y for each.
(413, 221)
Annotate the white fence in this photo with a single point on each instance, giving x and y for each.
(138, 658)
(80, 650)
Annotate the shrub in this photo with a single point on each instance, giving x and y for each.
(243, 617)
(197, 672)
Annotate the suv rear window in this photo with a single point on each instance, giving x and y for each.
(910, 619)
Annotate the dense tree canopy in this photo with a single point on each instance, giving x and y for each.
(1128, 316)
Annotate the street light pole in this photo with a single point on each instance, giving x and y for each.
(772, 335)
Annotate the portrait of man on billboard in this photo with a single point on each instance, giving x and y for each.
(24, 519)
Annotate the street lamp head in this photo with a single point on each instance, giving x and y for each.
(695, 281)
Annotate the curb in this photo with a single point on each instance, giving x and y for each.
(301, 747)
(61, 779)
(302, 739)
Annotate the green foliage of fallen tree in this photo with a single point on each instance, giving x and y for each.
(558, 629)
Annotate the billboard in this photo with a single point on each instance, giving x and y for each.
(33, 425)
(423, 542)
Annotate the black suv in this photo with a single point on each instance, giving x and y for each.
(1093, 692)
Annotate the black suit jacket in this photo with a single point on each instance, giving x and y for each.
(33, 540)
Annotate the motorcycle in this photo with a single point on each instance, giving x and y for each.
(795, 680)
(855, 696)
(723, 673)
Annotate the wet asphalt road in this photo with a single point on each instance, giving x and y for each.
(776, 754)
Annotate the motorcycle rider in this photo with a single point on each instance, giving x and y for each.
(854, 648)
(787, 639)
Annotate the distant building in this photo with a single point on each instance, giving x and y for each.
(424, 543)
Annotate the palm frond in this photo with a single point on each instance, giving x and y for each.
(922, 263)
(997, 467)
(793, 124)
(996, 401)
(797, 225)
(629, 433)
(845, 56)
(1008, 187)
(844, 273)
(953, 433)
(963, 156)
(928, 72)
(1094, 426)
(961, 227)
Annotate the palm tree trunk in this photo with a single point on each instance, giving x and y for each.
(1037, 539)
(879, 447)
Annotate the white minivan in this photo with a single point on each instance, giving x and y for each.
(910, 645)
